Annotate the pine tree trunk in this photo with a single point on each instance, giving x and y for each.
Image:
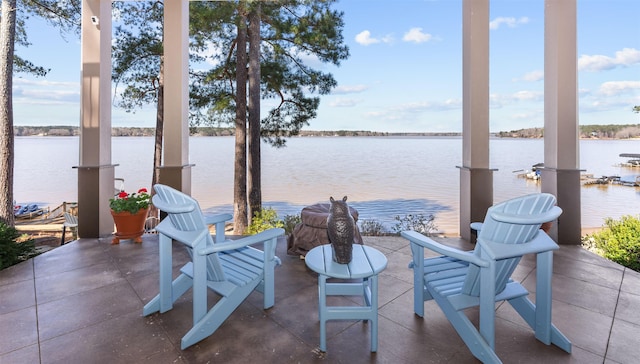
(255, 193)
(7, 35)
(240, 220)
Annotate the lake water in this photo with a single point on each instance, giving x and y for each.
(383, 177)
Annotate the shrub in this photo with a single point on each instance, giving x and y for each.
(372, 228)
(619, 241)
(13, 248)
(419, 223)
(263, 220)
(290, 222)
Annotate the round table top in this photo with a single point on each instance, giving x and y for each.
(365, 262)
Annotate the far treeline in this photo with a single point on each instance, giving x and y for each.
(586, 131)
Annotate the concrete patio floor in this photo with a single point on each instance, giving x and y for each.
(82, 303)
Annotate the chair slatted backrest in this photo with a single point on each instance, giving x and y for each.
(508, 233)
(185, 214)
(70, 220)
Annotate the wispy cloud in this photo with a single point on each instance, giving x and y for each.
(404, 111)
(532, 76)
(497, 101)
(416, 35)
(613, 88)
(365, 38)
(349, 89)
(624, 58)
(44, 92)
(510, 22)
(344, 102)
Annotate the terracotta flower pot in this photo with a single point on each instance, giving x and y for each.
(129, 226)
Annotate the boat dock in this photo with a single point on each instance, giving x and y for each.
(612, 180)
(633, 162)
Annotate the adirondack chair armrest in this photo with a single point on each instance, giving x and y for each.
(246, 241)
(540, 243)
(173, 207)
(433, 245)
(190, 238)
(477, 226)
(217, 218)
(521, 219)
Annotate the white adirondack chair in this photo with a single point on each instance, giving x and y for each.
(231, 268)
(71, 222)
(459, 280)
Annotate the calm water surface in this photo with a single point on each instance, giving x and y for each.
(382, 177)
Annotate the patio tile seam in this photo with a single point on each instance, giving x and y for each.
(286, 327)
(16, 279)
(88, 291)
(79, 328)
(597, 260)
(631, 272)
(606, 350)
(567, 300)
(586, 281)
(7, 353)
(41, 272)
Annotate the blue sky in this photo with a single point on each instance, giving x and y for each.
(405, 69)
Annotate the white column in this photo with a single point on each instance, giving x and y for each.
(176, 170)
(561, 175)
(476, 179)
(95, 172)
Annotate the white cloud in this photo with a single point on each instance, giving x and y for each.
(583, 91)
(527, 116)
(528, 96)
(45, 83)
(533, 76)
(387, 39)
(44, 92)
(342, 102)
(416, 35)
(511, 22)
(613, 88)
(341, 90)
(405, 111)
(497, 101)
(624, 58)
(364, 38)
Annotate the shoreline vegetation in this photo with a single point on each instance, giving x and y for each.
(626, 131)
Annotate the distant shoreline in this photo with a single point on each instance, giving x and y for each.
(607, 132)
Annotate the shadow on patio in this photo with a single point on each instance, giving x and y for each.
(82, 303)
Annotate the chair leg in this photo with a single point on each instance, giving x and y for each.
(64, 230)
(210, 322)
(527, 310)
(270, 262)
(417, 253)
(373, 303)
(322, 310)
(178, 287)
(538, 316)
(477, 344)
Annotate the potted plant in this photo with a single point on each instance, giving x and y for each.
(129, 211)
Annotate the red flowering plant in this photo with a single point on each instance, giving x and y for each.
(130, 202)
